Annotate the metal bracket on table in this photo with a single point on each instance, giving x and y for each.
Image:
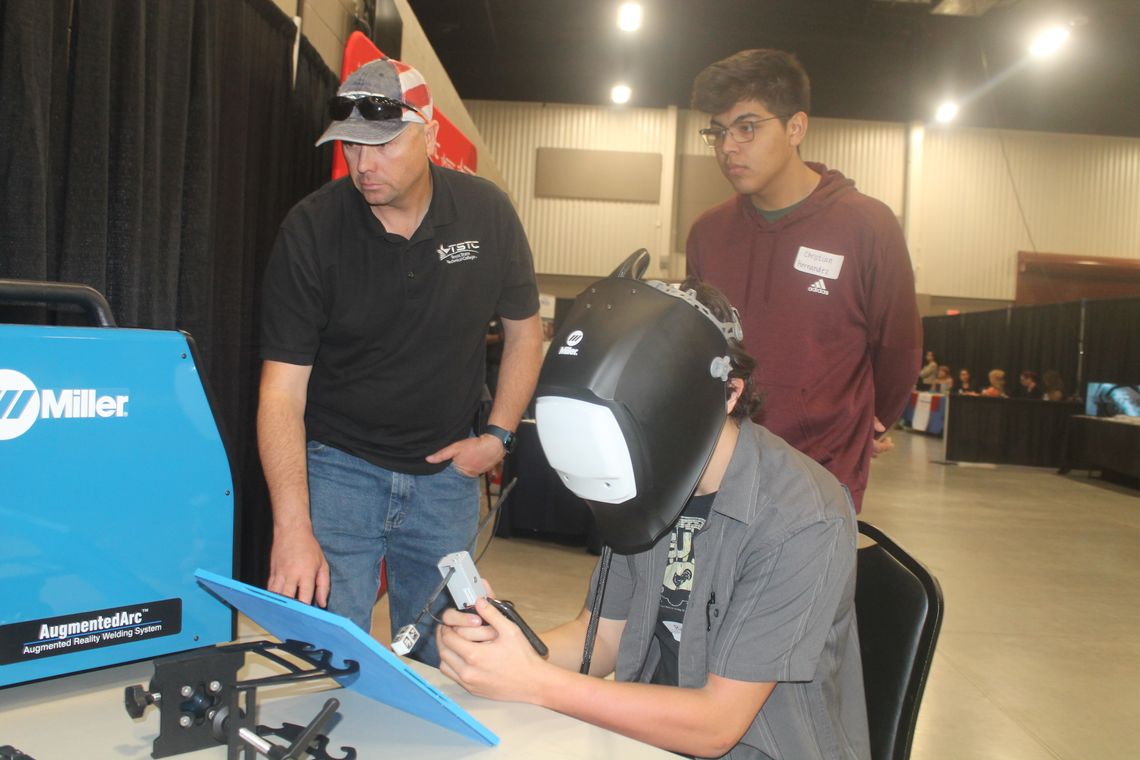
(203, 704)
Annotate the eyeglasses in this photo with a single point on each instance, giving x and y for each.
(371, 107)
(741, 131)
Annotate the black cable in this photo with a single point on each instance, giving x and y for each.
(596, 610)
(493, 512)
(1004, 155)
(474, 540)
(433, 595)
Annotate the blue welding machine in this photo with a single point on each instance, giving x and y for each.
(115, 487)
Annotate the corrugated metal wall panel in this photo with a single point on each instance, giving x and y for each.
(689, 139)
(872, 153)
(1080, 195)
(572, 236)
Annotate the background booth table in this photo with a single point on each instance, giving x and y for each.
(1103, 443)
(925, 412)
(1007, 430)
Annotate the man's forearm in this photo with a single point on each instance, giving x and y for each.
(281, 443)
(518, 371)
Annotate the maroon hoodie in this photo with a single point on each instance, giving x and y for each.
(826, 295)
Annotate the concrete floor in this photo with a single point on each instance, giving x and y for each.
(1039, 656)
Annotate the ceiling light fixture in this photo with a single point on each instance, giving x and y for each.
(1049, 42)
(629, 17)
(946, 112)
(620, 93)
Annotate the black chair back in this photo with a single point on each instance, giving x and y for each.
(898, 604)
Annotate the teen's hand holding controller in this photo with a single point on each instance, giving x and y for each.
(488, 654)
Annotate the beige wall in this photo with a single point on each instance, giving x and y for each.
(968, 199)
(987, 194)
(574, 236)
(326, 23)
(418, 52)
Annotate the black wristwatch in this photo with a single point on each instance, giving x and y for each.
(506, 437)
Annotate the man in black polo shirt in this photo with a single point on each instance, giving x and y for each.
(376, 303)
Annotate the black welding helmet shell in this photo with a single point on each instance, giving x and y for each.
(631, 402)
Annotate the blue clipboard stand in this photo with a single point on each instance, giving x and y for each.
(382, 675)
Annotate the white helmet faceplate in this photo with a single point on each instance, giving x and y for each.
(585, 446)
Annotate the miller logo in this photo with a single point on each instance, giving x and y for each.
(21, 404)
(572, 340)
(456, 252)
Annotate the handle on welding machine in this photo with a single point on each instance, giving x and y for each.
(59, 294)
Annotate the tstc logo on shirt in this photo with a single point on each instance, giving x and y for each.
(573, 339)
(468, 250)
(21, 404)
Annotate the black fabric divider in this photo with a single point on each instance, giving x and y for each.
(33, 113)
(941, 335)
(1008, 431)
(1112, 341)
(984, 344)
(151, 150)
(1041, 338)
(1098, 443)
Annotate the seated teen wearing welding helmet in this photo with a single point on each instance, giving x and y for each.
(728, 618)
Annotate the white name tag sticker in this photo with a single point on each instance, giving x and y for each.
(819, 263)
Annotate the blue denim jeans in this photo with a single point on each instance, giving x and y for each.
(363, 513)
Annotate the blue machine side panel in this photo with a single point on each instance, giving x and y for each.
(116, 486)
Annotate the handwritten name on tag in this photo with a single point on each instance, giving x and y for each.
(819, 263)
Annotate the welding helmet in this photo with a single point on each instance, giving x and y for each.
(631, 401)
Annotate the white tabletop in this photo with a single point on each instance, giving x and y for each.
(83, 716)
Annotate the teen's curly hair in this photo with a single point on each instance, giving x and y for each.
(743, 364)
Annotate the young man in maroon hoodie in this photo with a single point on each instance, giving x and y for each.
(819, 272)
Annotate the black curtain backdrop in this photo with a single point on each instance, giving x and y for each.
(1112, 341)
(983, 344)
(943, 336)
(151, 150)
(1041, 338)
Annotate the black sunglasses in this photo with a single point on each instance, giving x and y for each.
(371, 107)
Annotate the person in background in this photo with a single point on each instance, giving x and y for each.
(996, 388)
(1029, 387)
(820, 272)
(1054, 386)
(965, 386)
(943, 381)
(928, 373)
(377, 300)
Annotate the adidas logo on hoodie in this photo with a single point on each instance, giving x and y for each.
(819, 287)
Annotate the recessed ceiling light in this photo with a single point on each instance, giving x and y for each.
(629, 17)
(620, 93)
(946, 112)
(1049, 41)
